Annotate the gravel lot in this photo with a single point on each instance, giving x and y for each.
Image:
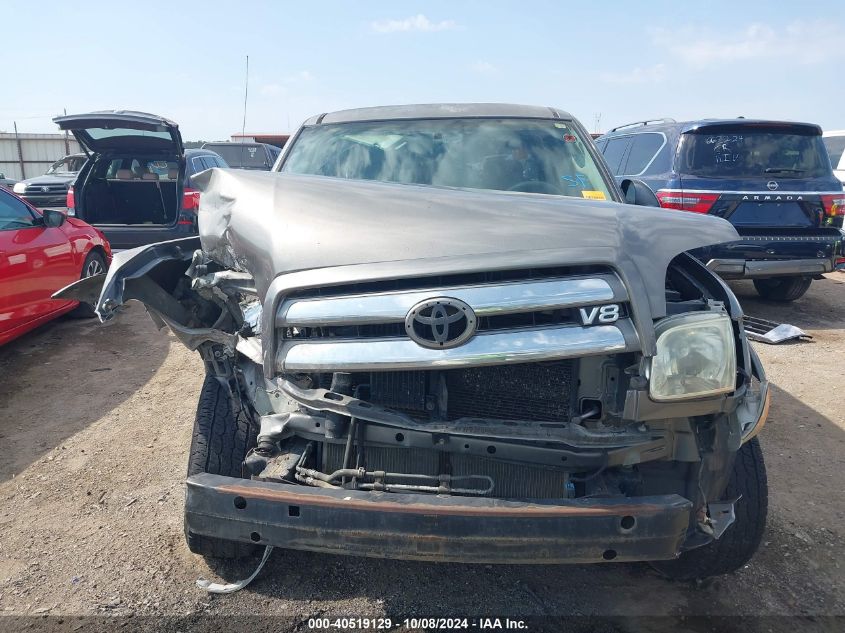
(95, 427)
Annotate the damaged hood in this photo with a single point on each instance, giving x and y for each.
(271, 224)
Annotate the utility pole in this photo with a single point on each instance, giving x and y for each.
(20, 151)
(67, 140)
(246, 94)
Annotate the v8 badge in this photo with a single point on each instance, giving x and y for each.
(600, 314)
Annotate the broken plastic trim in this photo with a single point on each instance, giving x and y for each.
(215, 587)
(722, 516)
(771, 332)
(134, 264)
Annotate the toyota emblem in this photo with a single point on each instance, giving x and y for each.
(45, 189)
(440, 323)
(772, 185)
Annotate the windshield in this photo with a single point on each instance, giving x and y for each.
(67, 165)
(241, 155)
(530, 155)
(753, 154)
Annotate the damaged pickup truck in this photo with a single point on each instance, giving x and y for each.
(441, 334)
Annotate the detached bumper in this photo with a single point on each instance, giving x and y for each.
(437, 528)
(808, 253)
(757, 269)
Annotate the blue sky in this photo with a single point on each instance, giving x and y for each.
(623, 61)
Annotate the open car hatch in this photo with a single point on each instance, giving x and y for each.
(117, 130)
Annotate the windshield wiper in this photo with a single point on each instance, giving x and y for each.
(783, 170)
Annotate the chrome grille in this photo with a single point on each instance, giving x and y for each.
(487, 300)
(519, 321)
(50, 189)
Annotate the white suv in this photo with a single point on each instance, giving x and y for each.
(835, 143)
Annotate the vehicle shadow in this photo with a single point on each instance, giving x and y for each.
(82, 369)
(816, 310)
(792, 574)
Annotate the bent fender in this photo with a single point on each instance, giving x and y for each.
(110, 291)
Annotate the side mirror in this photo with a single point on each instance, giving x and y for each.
(639, 193)
(53, 218)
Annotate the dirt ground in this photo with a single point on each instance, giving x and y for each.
(95, 424)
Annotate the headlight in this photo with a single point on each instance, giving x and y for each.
(696, 357)
(20, 187)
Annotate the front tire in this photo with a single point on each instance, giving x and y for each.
(94, 264)
(221, 441)
(782, 288)
(739, 542)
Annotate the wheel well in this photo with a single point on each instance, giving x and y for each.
(94, 249)
(98, 249)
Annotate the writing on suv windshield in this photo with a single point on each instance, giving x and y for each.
(528, 155)
(750, 154)
(241, 155)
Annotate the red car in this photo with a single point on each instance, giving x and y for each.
(41, 252)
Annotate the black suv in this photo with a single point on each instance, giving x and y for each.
(771, 179)
(135, 185)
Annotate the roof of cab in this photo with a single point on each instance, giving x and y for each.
(692, 126)
(439, 111)
(685, 127)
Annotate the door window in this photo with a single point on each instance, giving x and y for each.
(14, 214)
(614, 151)
(643, 149)
(201, 163)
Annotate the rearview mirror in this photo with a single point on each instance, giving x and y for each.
(639, 193)
(53, 218)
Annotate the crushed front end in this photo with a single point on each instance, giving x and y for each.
(472, 398)
(538, 439)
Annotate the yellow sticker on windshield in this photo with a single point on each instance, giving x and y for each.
(594, 195)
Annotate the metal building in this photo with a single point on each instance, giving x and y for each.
(24, 155)
(276, 139)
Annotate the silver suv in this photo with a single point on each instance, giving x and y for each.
(439, 334)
